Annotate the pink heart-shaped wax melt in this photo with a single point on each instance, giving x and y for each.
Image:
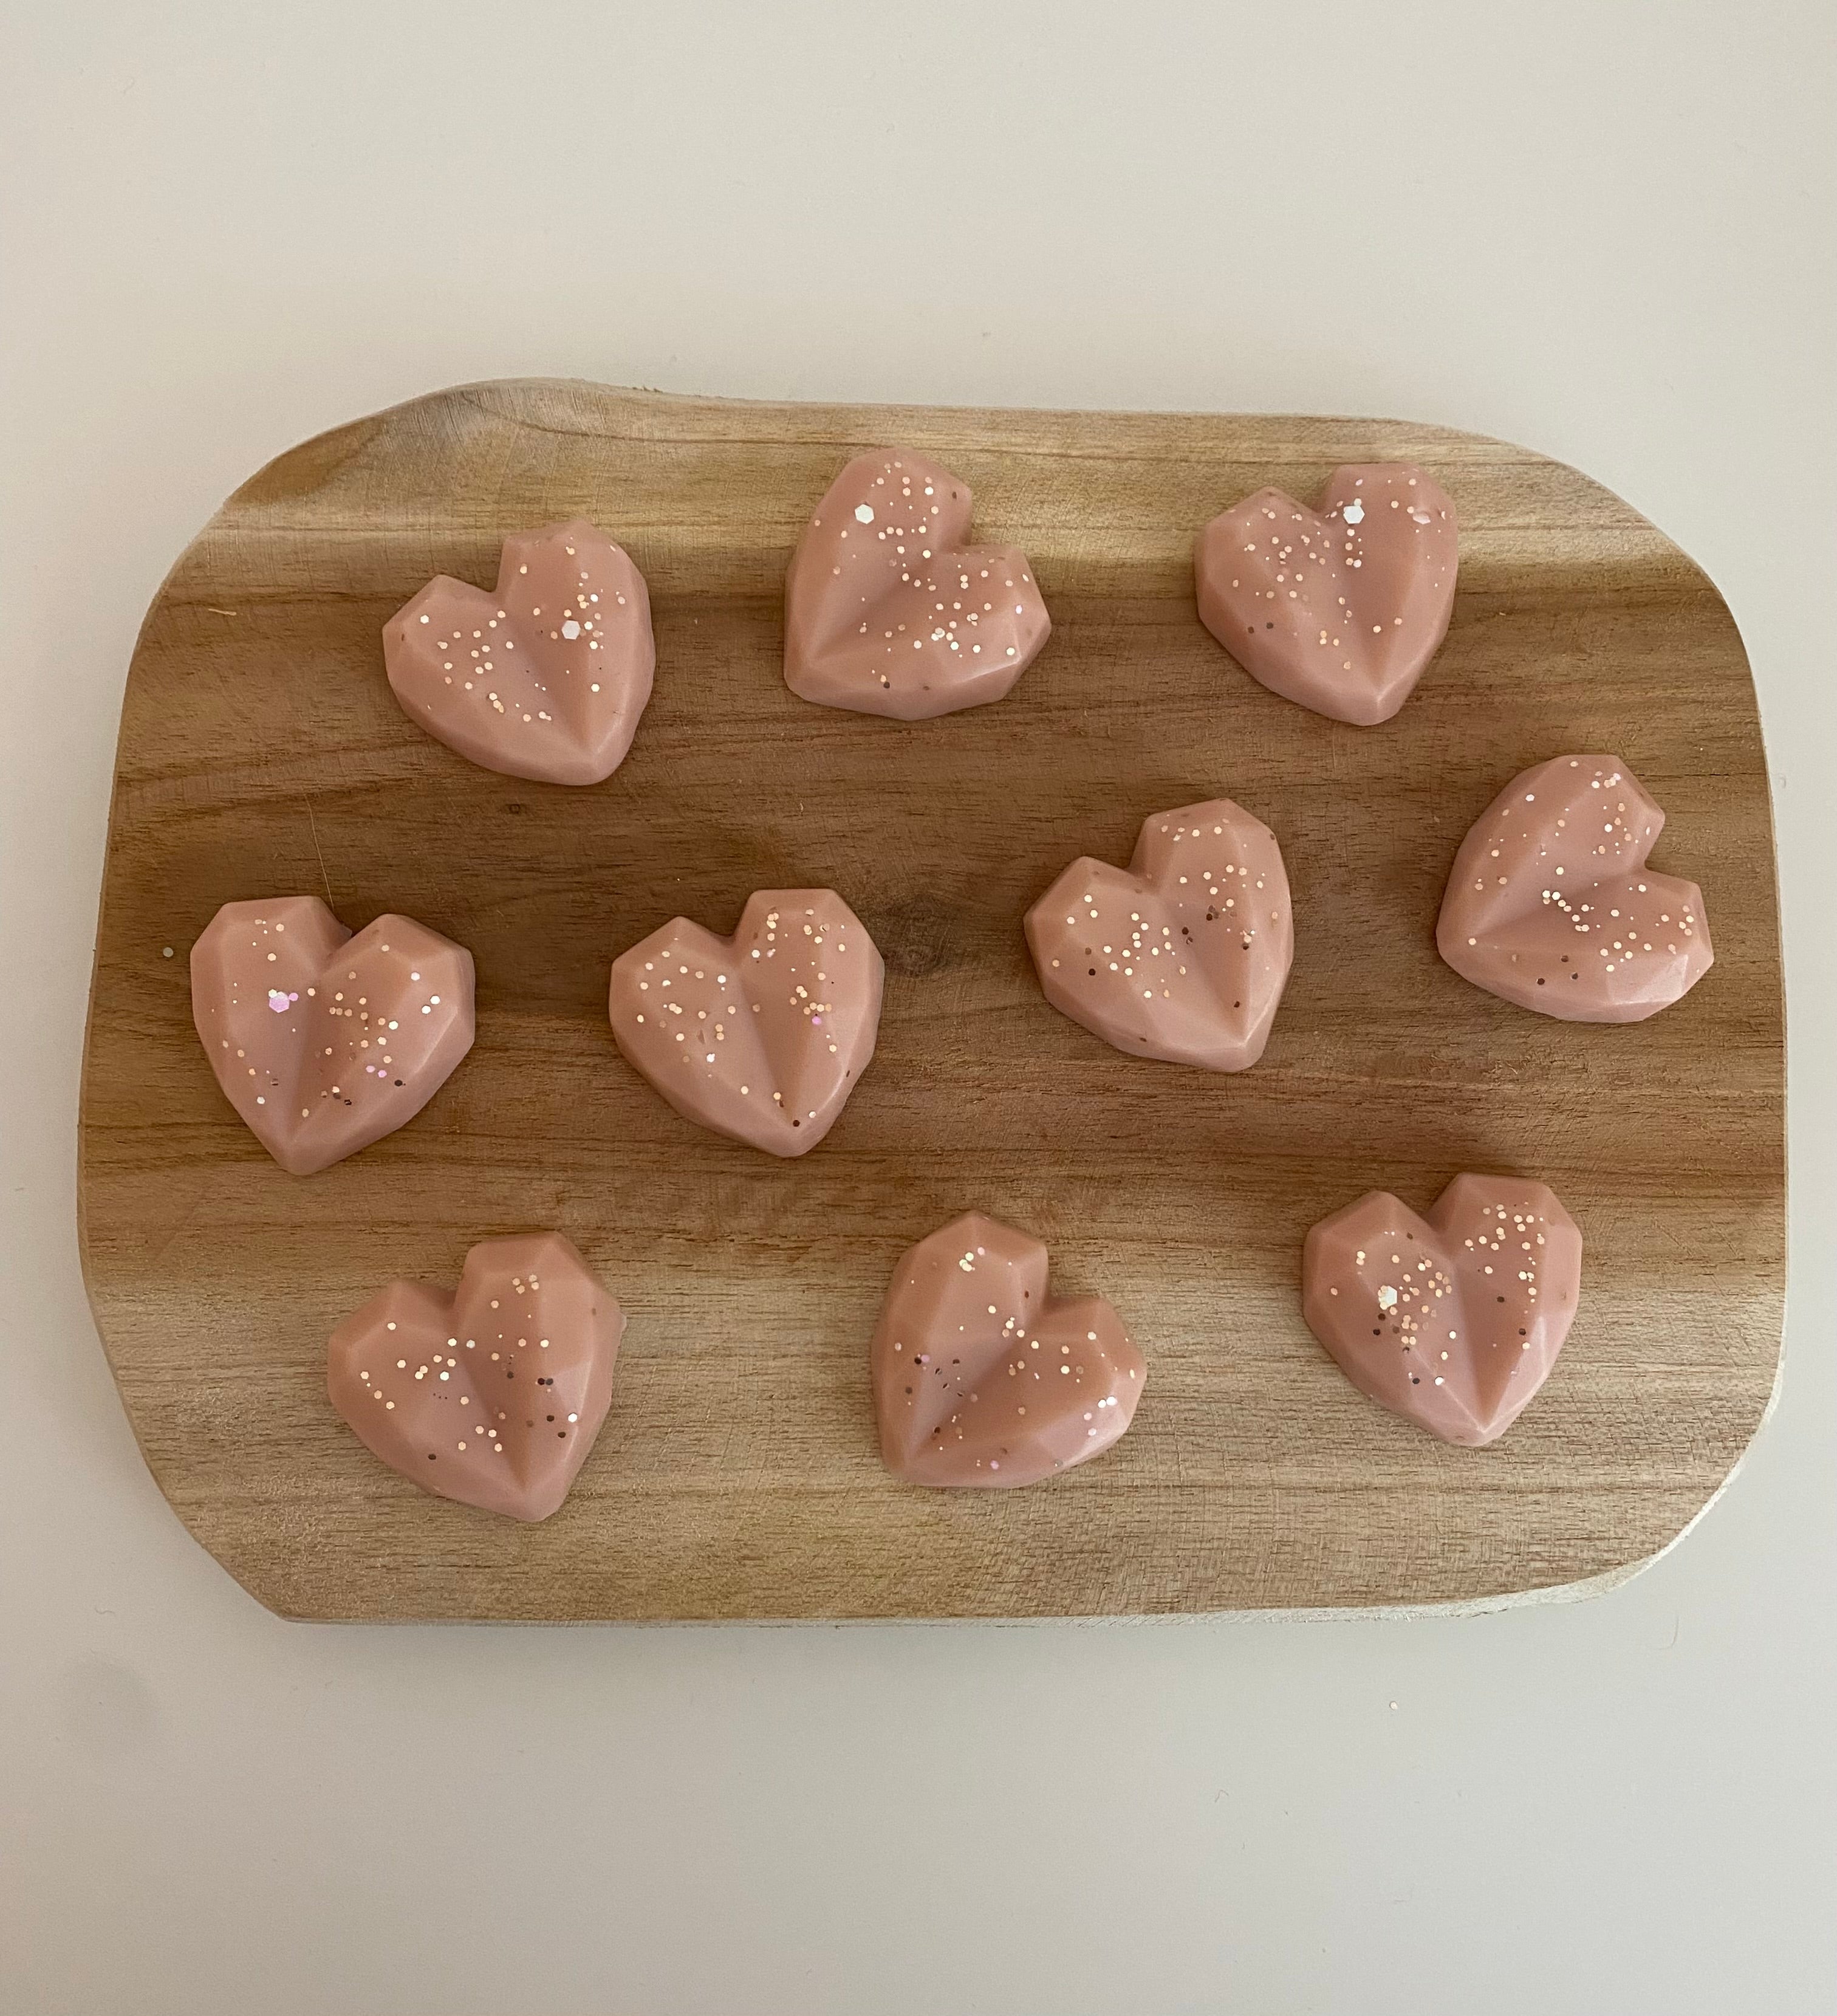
(1183, 955)
(889, 610)
(981, 1378)
(1453, 1321)
(546, 676)
(1338, 610)
(762, 1035)
(493, 1395)
(322, 1041)
(1550, 904)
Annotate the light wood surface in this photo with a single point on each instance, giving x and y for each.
(262, 753)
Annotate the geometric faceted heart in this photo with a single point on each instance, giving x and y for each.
(1182, 955)
(322, 1041)
(1338, 610)
(982, 1379)
(1454, 1320)
(492, 1395)
(761, 1035)
(1550, 903)
(889, 610)
(546, 676)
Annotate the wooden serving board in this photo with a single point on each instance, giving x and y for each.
(261, 753)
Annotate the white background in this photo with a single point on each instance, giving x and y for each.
(1604, 231)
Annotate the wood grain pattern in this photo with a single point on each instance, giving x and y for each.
(261, 753)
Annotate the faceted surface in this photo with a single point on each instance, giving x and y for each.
(1338, 610)
(761, 1035)
(546, 677)
(493, 1395)
(1454, 1320)
(889, 610)
(982, 1378)
(1183, 955)
(1550, 903)
(322, 1041)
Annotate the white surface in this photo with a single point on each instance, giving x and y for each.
(1604, 232)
